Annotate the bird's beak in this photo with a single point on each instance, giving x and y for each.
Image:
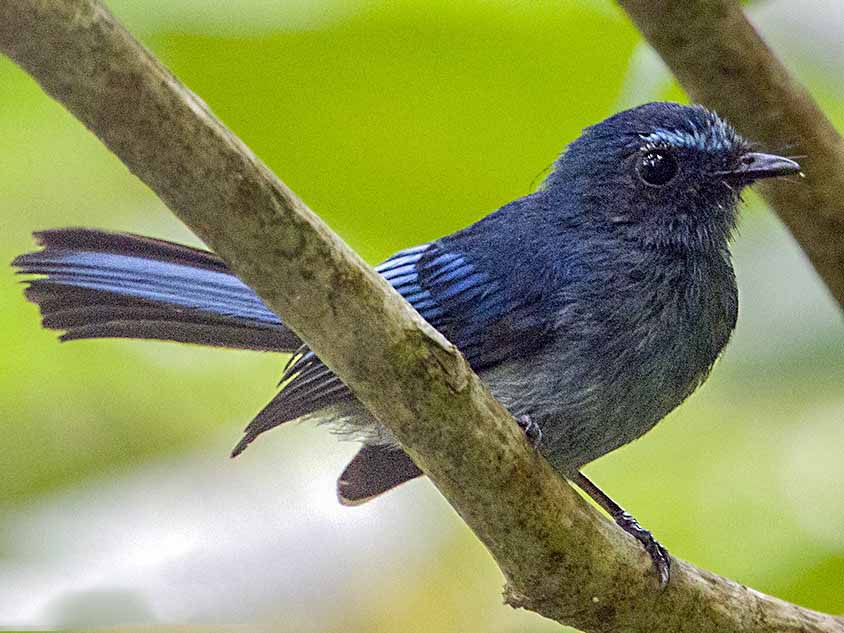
(755, 165)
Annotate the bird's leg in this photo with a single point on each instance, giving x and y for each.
(531, 430)
(659, 555)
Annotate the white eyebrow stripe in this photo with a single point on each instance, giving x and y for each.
(716, 138)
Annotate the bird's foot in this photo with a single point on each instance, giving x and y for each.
(659, 555)
(531, 430)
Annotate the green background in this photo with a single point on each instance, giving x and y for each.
(397, 122)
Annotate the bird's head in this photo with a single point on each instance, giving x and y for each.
(663, 173)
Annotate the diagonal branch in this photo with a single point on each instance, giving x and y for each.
(722, 62)
(559, 556)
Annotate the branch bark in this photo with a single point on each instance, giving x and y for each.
(559, 556)
(723, 63)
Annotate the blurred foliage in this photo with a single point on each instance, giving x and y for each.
(399, 122)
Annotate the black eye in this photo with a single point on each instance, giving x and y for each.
(657, 167)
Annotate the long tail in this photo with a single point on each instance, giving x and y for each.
(99, 284)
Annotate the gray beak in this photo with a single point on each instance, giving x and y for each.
(755, 165)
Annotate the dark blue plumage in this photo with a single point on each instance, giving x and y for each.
(101, 284)
(592, 307)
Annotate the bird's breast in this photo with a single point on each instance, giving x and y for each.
(631, 353)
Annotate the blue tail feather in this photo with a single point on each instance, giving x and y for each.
(101, 284)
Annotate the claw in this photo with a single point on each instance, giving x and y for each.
(531, 430)
(659, 555)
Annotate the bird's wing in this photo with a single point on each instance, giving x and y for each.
(470, 306)
(490, 316)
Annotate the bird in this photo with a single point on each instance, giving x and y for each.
(591, 307)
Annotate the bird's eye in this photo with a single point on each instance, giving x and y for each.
(657, 167)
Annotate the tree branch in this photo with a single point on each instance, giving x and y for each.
(559, 556)
(721, 61)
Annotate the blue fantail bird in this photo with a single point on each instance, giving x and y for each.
(591, 307)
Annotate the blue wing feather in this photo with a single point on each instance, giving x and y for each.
(467, 305)
(308, 384)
